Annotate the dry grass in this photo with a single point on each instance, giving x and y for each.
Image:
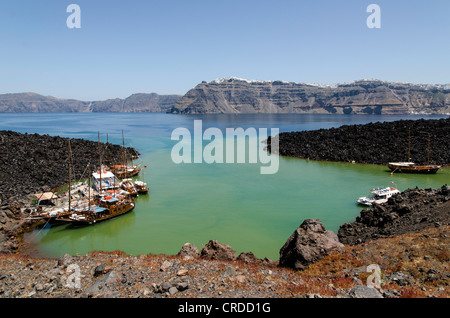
(416, 255)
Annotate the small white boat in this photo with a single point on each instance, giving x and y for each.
(379, 195)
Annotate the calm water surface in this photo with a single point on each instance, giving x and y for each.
(231, 203)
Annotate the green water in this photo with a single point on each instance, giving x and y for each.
(231, 203)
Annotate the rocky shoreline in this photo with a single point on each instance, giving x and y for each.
(410, 211)
(373, 143)
(314, 263)
(407, 237)
(36, 163)
(412, 265)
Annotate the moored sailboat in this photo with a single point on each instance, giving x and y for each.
(411, 167)
(107, 208)
(54, 216)
(108, 204)
(125, 170)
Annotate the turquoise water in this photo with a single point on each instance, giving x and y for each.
(231, 203)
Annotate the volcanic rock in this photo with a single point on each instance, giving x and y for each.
(410, 211)
(39, 162)
(308, 244)
(218, 251)
(374, 143)
(361, 291)
(189, 250)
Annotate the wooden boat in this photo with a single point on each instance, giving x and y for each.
(127, 185)
(53, 216)
(104, 180)
(141, 187)
(411, 167)
(107, 208)
(125, 170)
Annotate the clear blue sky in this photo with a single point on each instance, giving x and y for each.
(169, 46)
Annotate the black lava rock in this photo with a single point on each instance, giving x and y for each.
(374, 143)
(410, 211)
(31, 163)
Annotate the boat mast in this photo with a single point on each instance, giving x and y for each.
(429, 148)
(124, 155)
(100, 164)
(68, 150)
(89, 187)
(409, 146)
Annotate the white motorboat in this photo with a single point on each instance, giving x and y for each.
(379, 195)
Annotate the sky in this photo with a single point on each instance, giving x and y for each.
(169, 46)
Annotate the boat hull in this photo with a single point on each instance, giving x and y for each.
(414, 169)
(91, 221)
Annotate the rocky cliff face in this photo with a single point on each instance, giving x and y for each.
(234, 95)
(35, 103)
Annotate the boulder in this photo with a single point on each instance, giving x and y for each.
(248, 258)
(106, 286)
(189, 250)
(65, 260)
(100, 270)
(218, 251)
(362, 291)
(308, 244)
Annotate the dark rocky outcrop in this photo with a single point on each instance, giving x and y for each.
(410, 211)
(31, 163)
(374, 143)
(234, 95)
(308, 244)
(36, 163)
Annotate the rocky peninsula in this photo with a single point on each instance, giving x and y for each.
(373, 143)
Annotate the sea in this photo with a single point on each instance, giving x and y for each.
(233, 203)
